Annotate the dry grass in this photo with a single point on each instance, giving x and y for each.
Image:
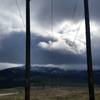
(69, 93)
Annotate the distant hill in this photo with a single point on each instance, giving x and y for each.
(45, 76)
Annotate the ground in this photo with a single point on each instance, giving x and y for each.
(47, 93)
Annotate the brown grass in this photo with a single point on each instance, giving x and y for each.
(47, 93)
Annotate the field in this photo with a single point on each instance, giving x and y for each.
(47, 93)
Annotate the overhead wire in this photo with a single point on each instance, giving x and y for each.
(51, 22)
(74, 10)
(73, 15)
(19, 11)
(78, 29)
(92, 15)
(52, 16)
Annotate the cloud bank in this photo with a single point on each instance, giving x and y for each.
(53, 31)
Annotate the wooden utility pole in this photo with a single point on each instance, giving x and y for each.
(28, 51)
(89, 52)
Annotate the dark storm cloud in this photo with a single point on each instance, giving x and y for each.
(13, 50)
(48, 57)
(94, 9)
(13, 47)
(61, 9)
(64, 10)
(96, 50)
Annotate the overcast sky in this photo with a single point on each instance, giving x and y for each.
(57, 28)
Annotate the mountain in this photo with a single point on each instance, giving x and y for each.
(45, 76)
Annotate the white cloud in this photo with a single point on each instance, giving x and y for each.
(64, 30)
(10, 22)
(61, 46)
(62, 66)
(8, 65)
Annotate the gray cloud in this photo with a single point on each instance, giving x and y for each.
(61, 10)
(96, 50)
(64, 10)
(12, 46)
(94, 10)
(41, 11)
(13, 50)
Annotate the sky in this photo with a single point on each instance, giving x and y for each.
(57, 33)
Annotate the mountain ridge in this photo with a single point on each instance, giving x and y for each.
(45, 76)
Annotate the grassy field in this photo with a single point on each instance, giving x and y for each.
(68, 93)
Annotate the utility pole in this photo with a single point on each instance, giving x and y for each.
(28, 52)
(89, 52)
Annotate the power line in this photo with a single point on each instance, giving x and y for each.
(50, 21)
(20, 14)
(74, 10)
(52, 15)
(73, 15)
(78, 29)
